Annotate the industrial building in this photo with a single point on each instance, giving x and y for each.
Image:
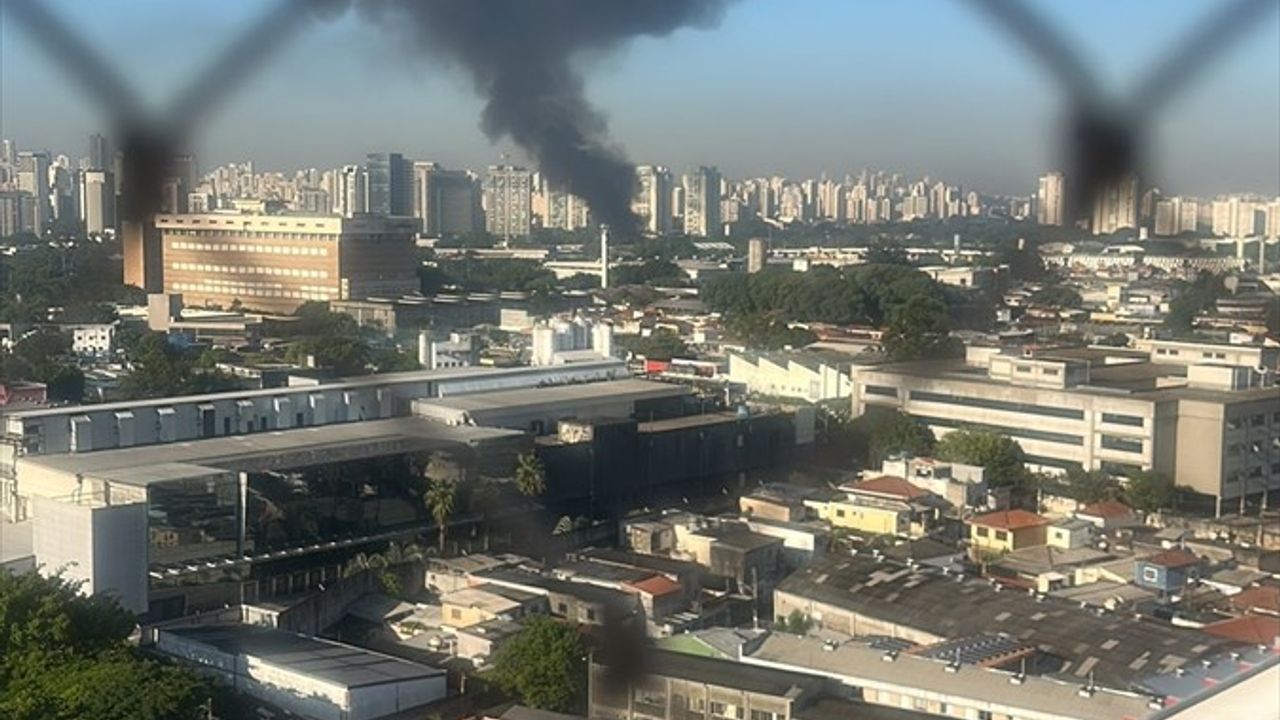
(278, 262)
(865, 596)
(806, 375)
(1196, 417)
(311, 677)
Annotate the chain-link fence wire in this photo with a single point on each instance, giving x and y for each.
(1103, 141)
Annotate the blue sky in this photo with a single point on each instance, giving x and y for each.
(793, 87)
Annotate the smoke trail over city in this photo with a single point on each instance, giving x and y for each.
(521, 56)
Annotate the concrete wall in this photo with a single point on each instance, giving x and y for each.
(105, 547)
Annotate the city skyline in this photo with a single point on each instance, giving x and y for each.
(1198, 149)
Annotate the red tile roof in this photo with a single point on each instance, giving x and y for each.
(657, 586)
(1262, 598)
(1251, 629)
(1009, 520)
(1173, 558)
(1106, 509)
(888, 485)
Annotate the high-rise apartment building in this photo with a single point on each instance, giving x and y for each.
(508, 201)
(389, 185)
(1175, 215)
(16, 211)
(99, 152)
(702, 202)
(563, 210)
(33, 178)
(352, 196)
(277, 262)
(1050, 198)
(1116, 206)
(97, 201)
(447, 201)
(1237, 217)
(756, 252)
(652, 200)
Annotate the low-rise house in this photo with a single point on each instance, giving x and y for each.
(1070, 533)
(582, 603)
(659, 595)
(1108, 515)
(481, 642)
(963, 486)
(885, 505)
(1166, 572)
(1044, 568)
(482, 603)
(1006, 530)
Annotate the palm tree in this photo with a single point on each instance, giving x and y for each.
(439, 499)
(363, 562)
(531, 475)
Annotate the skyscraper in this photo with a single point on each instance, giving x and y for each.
(508, 201)
(652, 200)
(1049, 199)
(447, 201)
(99, 152)
(1116, 206)
(702, 202)
(352, 191)
(33, 178)
(755, 255)
(390, 184)
(97, 201)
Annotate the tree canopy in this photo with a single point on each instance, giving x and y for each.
(158, 368)
(545, 666)
(881, 433)
(999, 456)
(65, 656)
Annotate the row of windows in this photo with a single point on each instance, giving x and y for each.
(882, 390)
(1118, 419)
(252, 270)
(1119, 444)
(990, 404)
(248, 248)
(241, 289)
(1019, 432)
(259, 234)
(1259, 420)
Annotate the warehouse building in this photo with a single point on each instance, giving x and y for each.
(311, 677)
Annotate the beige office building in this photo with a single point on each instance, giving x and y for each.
(275, 263)
(1194, 417)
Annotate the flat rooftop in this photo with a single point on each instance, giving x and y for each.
(1119, 649)
(861, 665)
(255, 452)
(1136, 380)
(350, 383)
(325, 660)
(575, 394)
(730, 674)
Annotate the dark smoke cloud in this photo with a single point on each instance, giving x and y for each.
(521, 55)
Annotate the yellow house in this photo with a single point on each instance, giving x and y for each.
(1006, 531)
(883, 505)
(854, 515)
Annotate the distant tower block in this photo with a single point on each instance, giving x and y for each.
(604, 256)
(755, 255)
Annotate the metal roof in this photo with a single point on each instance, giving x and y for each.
(324, 660)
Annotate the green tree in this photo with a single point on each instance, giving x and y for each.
(1000, 456)
(346, 355)
(65, 656)
(158, 368)
(661, 344)
(919, 329)
(439, 499)
(1090, 486)
(1193, 299)
(1149, 491)
(531, 475)
(545, 666)
(1057, 296)
(797, 623)
(890, 433)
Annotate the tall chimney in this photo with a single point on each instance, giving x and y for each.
(604, 256)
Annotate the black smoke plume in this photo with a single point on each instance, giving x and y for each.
(521, 55)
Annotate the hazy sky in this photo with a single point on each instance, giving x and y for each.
(793, 87)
